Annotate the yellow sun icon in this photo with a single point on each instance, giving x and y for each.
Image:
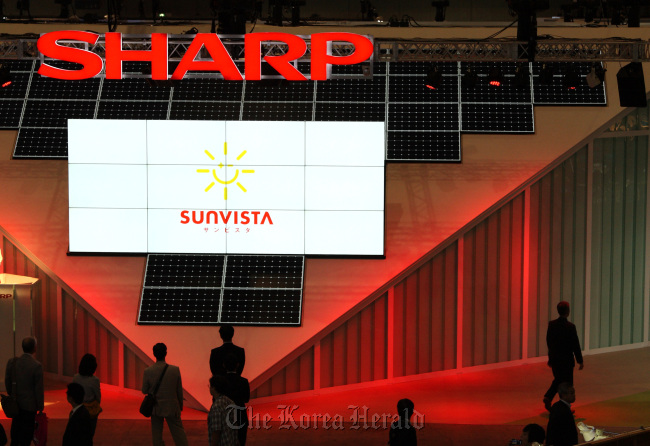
(221, 166)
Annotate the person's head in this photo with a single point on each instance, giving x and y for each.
(160, 351)
(405, 408)
(75, 394)
(566, 392)
(226, 332)
(563, 308)
(29, 345)
(218, 385)
(230, 363)
(87, 365)
(531, 433)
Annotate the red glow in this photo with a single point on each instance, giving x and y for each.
(6, 84)
(572, 88)
(495, 83)
(431, 87)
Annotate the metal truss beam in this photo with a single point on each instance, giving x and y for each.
(385, 50)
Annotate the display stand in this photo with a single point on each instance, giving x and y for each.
(15, 317)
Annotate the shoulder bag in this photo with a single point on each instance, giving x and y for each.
(9, 402)
(146, 408)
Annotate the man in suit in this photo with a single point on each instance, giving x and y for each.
(24, 380)
(218, 355)
(78, 431)
(563, 344)
(169, 398)
(561, 429)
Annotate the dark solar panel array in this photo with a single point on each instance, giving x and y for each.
(218, 289)
(421, 124)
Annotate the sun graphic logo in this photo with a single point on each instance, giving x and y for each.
(225, 182)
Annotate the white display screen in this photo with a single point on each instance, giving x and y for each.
(226, 187)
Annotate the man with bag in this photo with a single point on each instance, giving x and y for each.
(163, 382)
(24, 382)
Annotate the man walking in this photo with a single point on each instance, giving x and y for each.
(563, 345)
(169, 397)
(24, 380)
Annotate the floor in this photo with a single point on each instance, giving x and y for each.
(490, 406)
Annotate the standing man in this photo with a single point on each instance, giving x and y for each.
(561, 429)
(24, 380)
(169, 397)
(218, 355)
(563, 344)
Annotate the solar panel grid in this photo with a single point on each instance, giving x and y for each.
(491, 118)
(132, 110)
(413, 89)
(205, 111)
(279, 90)
(350, 111)
(423, 116)
(187, 289)
(353, 90)
(10, 111)
(208, 90)
(48, 88)
(277, 111)
(133, 90)
(41, 143)
(48, 113)
(18, 88)
(417, 146)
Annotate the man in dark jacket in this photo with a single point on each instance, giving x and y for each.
(239, 391)
(78, 431)
(218, 355)
(563, 344)
(561, 429)
(24, 380)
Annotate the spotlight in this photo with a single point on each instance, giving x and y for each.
(433, 81)
(5, 76)
(546, 74)
(495, 78)
(631, 85)
(522, 76)
(571, 78)
(441, 9)
(596, 76)
(470, 78)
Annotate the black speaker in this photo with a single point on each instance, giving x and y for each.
(631, 85)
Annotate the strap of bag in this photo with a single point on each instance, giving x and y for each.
(155, 390)
(14, 377)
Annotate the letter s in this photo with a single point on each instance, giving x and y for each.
(49, 47)
(185, 219)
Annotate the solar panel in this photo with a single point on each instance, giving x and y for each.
(10, 111)
(352, 90)
(423, 116)
(350, 111)
(277, 111)
(41, 143)
(47, 88)
(556, 92)
(411, 68)
(216, 289)
(490, 118)
(279, 90)
(44, 113)
(413, 89)
(18, 88)
(133, 89)
(132, 110)
(208, 90)
(423, 146)
(205, 111)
